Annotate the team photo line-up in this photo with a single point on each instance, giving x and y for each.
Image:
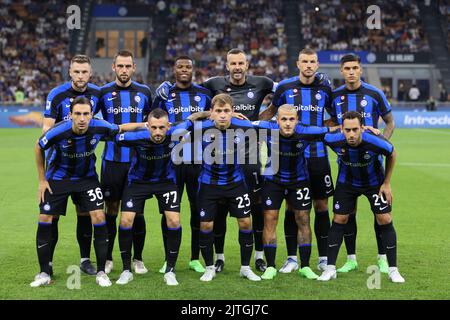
(203, 137)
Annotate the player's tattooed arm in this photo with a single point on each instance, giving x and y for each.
(372, 129)
(199, 116)
(43, 183)
(239, 116)
(47, 124)
(268, 114)
(132, 126)
(390, 125)
(385, 188)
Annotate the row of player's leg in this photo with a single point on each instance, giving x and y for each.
(220, 229)
(321, 228)
(350, 245)
(388, 241)
(44, 248)
(253, 181)
(187, 175)
(245, 243)
(302, 238)
(138, 236)
(84, 238)
(174, 232)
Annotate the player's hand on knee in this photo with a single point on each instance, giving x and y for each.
(43, 186)
(163, 90)
(386, 192)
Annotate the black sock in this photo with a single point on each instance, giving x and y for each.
(84, 235)
(334, 241)
(305, 254)
(350, 234)
(173, 246)
(125, 244)
(101, 244)
(321, 228)
(246, 243)
(54, 239)
(206, 246)
(270, 251)
(43, 245)
(139, 232)
(258, 226)
(290, 232)
(220, 229)
(164, 234)
(381, 248)
(195, 233)
(112, 230)
(389, 238)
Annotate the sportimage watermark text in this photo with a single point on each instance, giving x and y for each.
(74, 17)
(374, 20)
(230, 146)
(374, 280)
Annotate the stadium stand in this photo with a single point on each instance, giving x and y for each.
(341, 25)
(36, 61)
(255, 26)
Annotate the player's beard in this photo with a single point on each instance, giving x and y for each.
(80, 85)
(123, 79)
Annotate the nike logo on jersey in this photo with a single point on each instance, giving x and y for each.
(172, 207)
(110, 99)
(306, 204)
(339, 103)
(42, 245)
(383, 208)
(292, 95)
(246, 212)
(170, 100)
(333, 245)
(99, 204)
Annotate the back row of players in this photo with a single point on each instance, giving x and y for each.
(125, 101)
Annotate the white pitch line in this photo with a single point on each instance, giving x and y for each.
(433, 131)
(423, 164)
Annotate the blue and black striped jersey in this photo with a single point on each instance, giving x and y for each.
(360, 166)
(311, 101)
(289, 152)
(58, 100)
(221, 149)
(181, 103)
(122, 105)
(151, 161)
(74, 155)
(367, 100)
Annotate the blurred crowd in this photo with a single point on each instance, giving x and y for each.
(33, 49)
(207, 29)
(342, 25)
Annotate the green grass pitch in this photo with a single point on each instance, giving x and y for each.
(421, 217)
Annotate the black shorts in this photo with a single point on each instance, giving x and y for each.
(345, 197)
(136, 193)
(114, 178)
(85, 193)
(297, 195)
(236, 197)
(253, 180)
(320, 178)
